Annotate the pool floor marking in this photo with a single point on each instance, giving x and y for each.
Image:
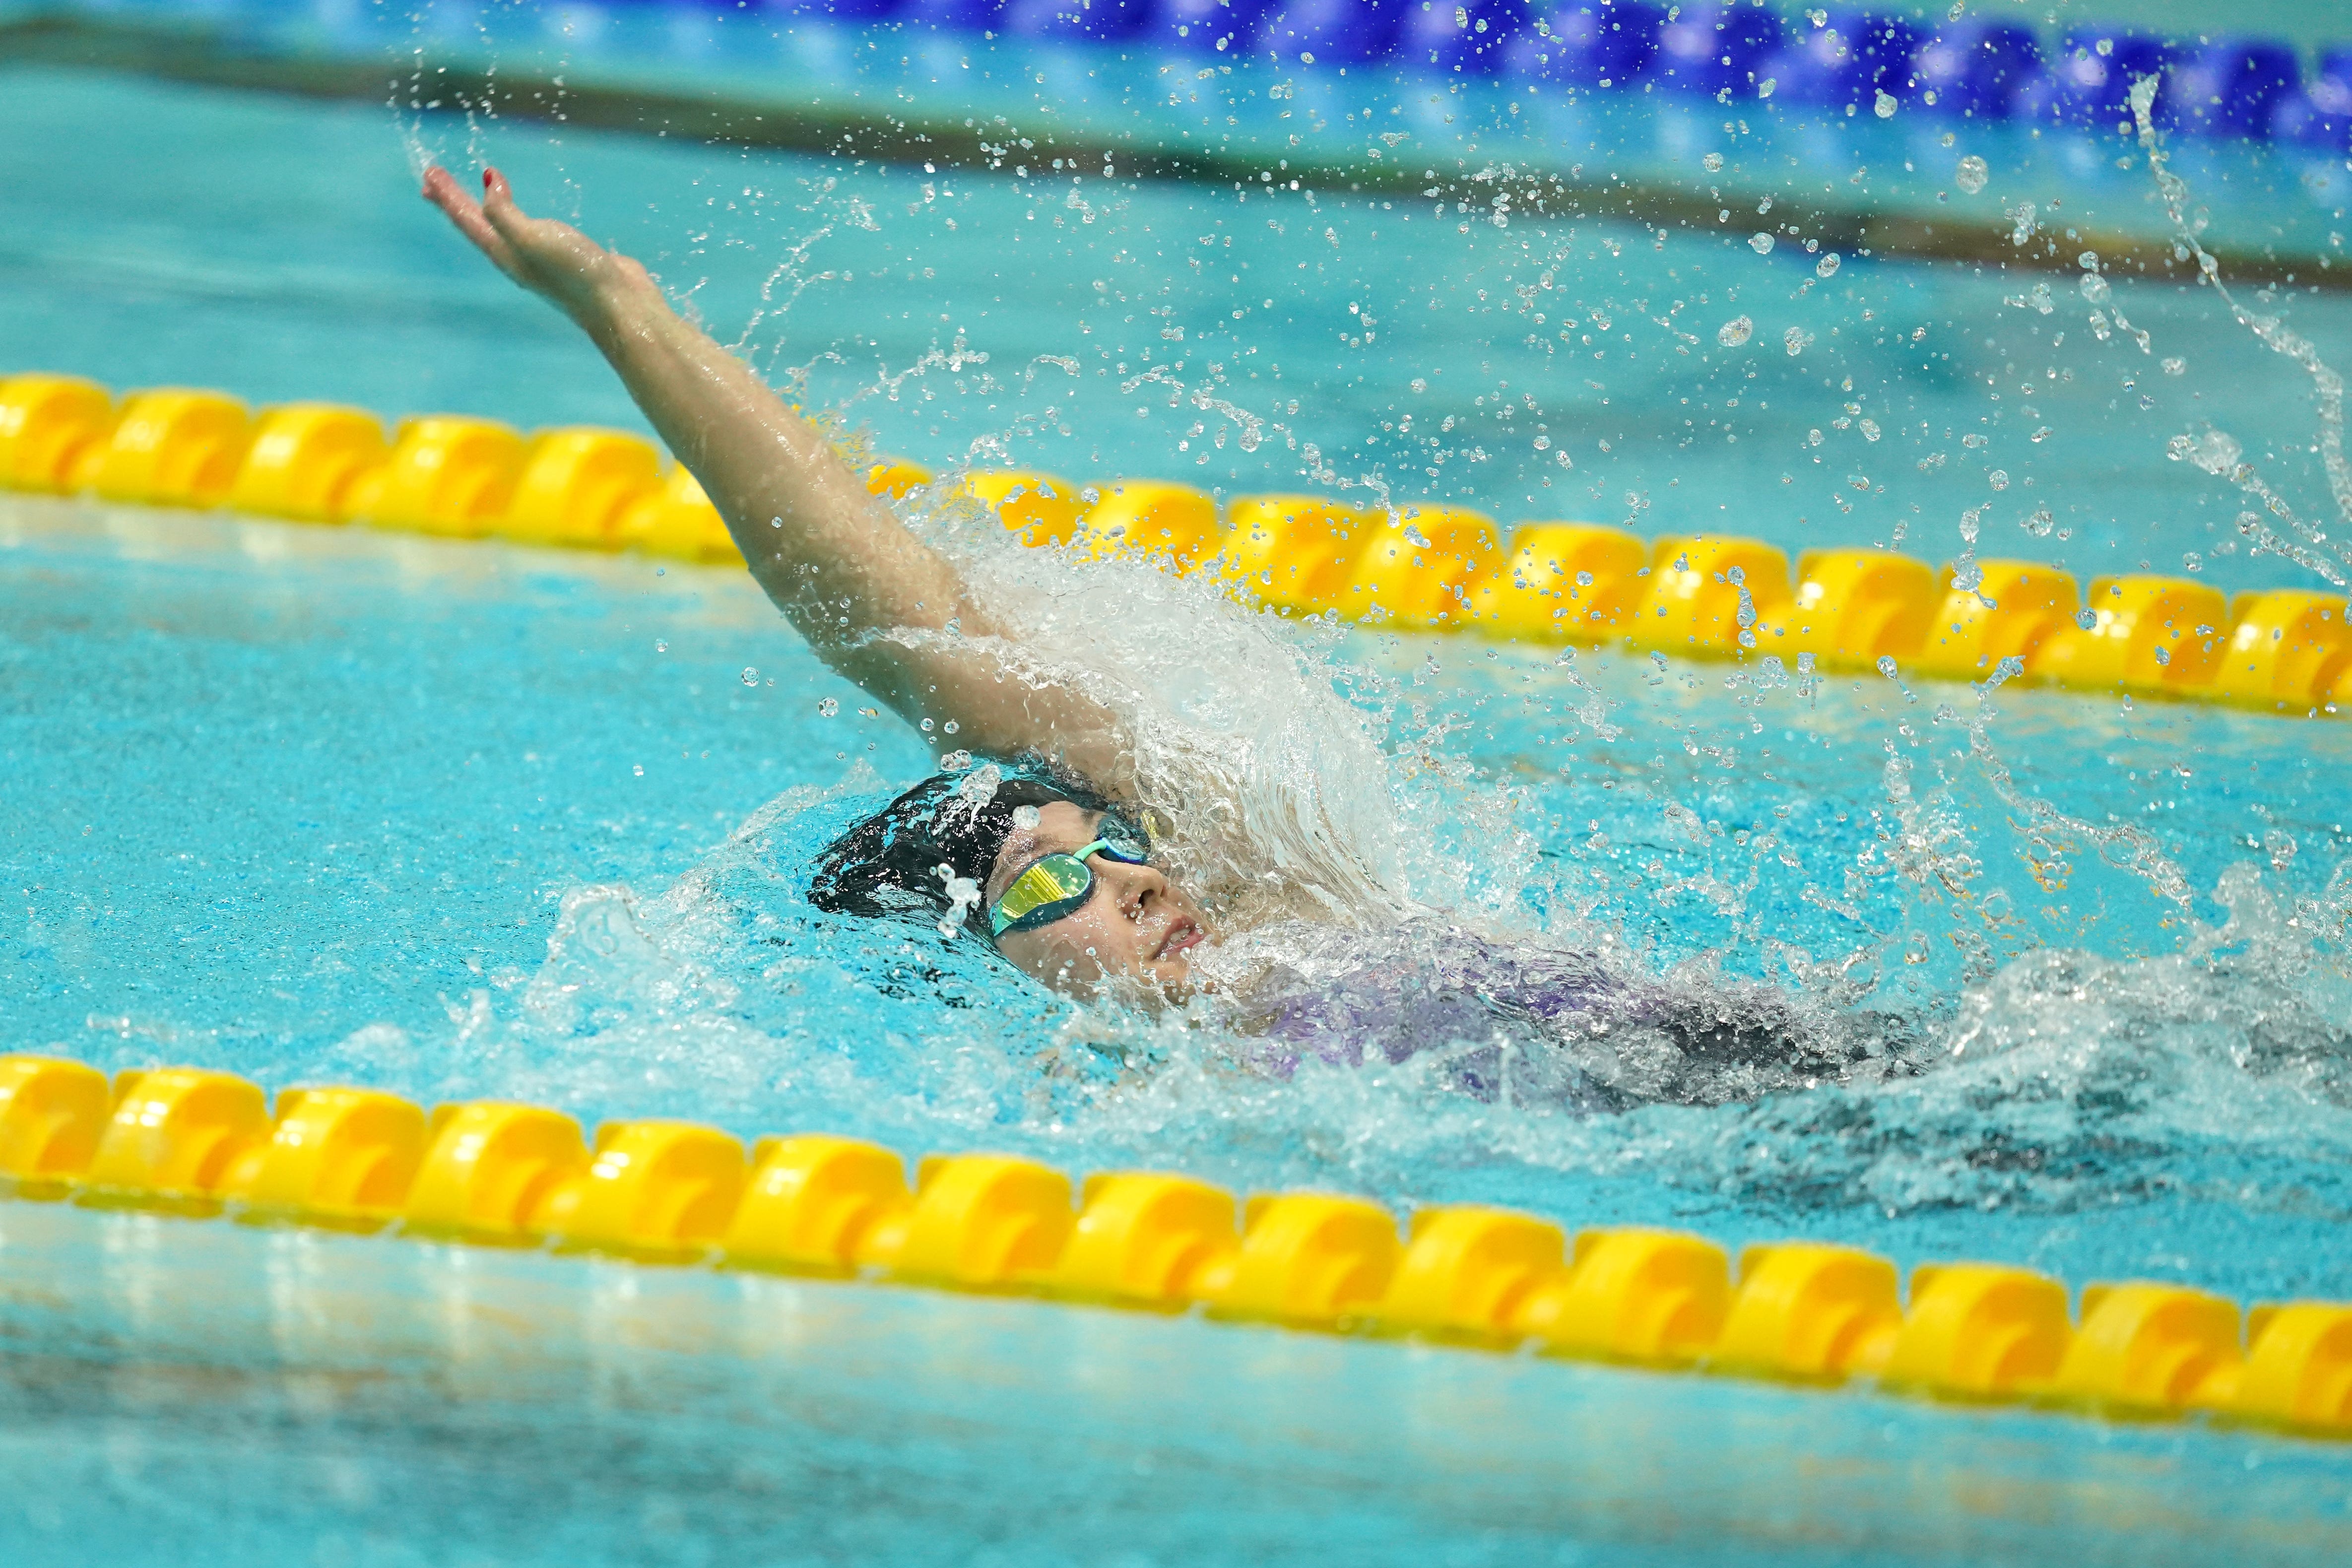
(204, 1143)
(1424, 568)
(206, 55)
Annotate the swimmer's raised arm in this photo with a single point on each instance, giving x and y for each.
(847, 573)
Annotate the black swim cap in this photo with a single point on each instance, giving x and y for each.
(889, 863)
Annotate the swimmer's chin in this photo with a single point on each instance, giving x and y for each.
(1166, 984)
(1163, 989)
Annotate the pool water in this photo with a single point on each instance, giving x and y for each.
(467, 819)
(219, 1395)
(207, 256)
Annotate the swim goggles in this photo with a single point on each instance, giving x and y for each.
(1059, 885)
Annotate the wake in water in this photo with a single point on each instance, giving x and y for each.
(2067, 1082)
(1390, 910)
(1527, 1025)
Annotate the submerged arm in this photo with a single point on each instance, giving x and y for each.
(867, 594)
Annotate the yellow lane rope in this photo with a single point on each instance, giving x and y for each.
(200, 1142)
(1420, 568)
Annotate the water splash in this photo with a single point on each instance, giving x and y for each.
(2326, 557)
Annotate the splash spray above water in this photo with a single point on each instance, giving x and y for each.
(2215, 451)
(1475, 820)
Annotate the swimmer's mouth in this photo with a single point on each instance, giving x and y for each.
(1182, 934)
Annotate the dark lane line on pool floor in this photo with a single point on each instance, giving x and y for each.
(211, 56)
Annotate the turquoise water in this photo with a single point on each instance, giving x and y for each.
(223, 1395)
(466, 820)
(259, 262)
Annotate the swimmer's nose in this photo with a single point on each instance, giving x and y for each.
(1140, 887)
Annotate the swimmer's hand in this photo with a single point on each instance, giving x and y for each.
(553, 260)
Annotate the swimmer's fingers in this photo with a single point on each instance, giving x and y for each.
(552, 259)
(549, 256)
(441, 189)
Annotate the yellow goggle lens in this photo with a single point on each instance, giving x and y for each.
(1055, 880)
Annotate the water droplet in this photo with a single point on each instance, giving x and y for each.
(2215, 451)
(1025, 816)
(2094, 288)
(661, 647)
(2086, 617)
(828, 707)
(1711, 163)
(1796, 340)
(1735, 331)
(1884, 105)
(1419, 384)
(2176, 368)
(1972, 174)
(751, 676)
(640, 769)
(1827, 266)
(1761, 244)
(1997, 478)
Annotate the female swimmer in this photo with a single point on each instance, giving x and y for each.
(1065, 889)
(1046, 855)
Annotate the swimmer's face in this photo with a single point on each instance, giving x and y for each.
(1136, 924)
